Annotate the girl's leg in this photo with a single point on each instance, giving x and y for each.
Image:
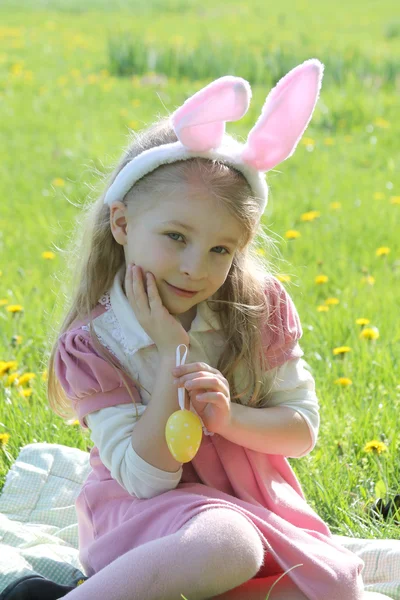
(215, 551)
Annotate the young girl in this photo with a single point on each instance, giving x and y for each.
(181, 212)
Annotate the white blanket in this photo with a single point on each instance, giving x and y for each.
(39, 531)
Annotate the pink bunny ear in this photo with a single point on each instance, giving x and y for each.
(284, 117)
(200, 122)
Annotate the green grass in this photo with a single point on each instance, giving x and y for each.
(70, 89)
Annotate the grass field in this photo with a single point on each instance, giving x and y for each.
(73, 81)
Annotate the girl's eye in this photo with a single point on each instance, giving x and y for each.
(180, 235)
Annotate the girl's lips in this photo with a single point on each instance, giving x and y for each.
(180, 292)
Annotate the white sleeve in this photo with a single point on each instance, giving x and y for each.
(111, 429)
(295, 387)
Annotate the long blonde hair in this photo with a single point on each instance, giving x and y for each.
(94, 257)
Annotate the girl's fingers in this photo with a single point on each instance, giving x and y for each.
(194, 368)
(210, 397)
(139, 291)
(152, 290)
(151, 286)
(208, 383)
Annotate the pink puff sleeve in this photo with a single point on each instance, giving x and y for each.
(281, 334)
(86, 378)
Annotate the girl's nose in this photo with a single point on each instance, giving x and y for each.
(195, 272)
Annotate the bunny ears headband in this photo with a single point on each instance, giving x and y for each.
(199, 125)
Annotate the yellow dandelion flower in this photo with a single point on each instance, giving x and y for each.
(379, 122)
(4, 437)
(14, 308)
(393, 200)
(375, 446)
(26, 392)
(76, 422)
(379, 196)
(368, 279)
(362, 321)
(92, 78)
(260, 252)
(322, 308)
(321, 279)
(80, 581)
(341, 350)
(16, 340)
(335, 205)
(48, 255)
(382, 251)
(133, 124)
(310, 216)
(11, 379)
(58, 182)
(16, 69)
(283, 278)
(330, 301)
(329, 141)
(6, 366)
(136, 102)
(343, 381)
(3, 302)
(26, 377)
(1, 273)
(292, 234)
(370, 333)
(307, 141)
(44, 375)
(62, 81)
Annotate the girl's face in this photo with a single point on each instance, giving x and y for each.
(195, 255)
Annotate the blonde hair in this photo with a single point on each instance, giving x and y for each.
(94, 257)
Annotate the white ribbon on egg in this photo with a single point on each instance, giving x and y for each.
(181, 390)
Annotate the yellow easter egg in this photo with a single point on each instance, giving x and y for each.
(183, 433)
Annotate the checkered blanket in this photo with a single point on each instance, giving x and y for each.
(39, 530)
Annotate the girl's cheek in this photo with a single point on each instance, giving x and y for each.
(162, 253)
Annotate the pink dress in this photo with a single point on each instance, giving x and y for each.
(262, 487)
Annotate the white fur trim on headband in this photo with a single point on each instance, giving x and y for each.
(228, 153)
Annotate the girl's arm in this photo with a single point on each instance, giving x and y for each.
(275, 430)
(148, 436)
(288, 422)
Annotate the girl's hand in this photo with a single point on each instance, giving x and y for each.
(164, 329)
(214, 406)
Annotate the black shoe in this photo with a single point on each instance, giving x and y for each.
(36, 587)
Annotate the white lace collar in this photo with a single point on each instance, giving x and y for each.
(131, 332)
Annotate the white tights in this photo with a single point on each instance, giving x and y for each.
(217, 550)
